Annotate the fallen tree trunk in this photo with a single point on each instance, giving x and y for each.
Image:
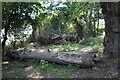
(82, 58)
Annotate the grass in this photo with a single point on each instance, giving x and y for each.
(95, 43)
(13, 69)
(54, 70)
(67, 47)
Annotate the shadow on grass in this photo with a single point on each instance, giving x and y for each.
(35, 69)
(19, 69)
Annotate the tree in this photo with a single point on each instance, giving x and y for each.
(84, 13)
(37, 21)
(15, 15)
(112, 32)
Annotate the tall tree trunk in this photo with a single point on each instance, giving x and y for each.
(111, 40)
(94, 25)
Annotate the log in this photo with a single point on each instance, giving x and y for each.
(80, 57)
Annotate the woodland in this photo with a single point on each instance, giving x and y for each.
(60, 39)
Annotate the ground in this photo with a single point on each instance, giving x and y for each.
(36, 69)
(43, 69)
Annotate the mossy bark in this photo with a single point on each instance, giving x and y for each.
(112, 29)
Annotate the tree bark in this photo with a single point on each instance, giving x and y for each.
(112, 32)
(82, 58)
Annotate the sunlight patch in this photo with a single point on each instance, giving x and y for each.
(35, 75)
(57, 49)
(33, 49)
(28, 68)
(5, 62)
(86, 49)
(41, 50)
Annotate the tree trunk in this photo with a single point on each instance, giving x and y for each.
(34, 31)
(82, 58)
(98, 24)
(89, 23)
(79, 30)
(94, 28)
(12, 15)
(112, 32)
(4, 41)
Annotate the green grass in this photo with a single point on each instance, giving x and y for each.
(67, 47)
(54, 70)
(95, 43)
